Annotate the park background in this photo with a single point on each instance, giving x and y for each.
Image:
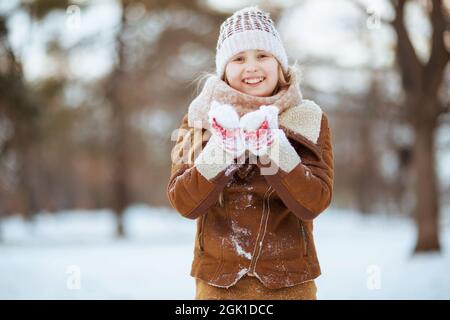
(91, 92)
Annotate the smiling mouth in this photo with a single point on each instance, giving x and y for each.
(253, 81)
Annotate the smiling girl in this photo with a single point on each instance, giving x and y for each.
(253, 164)
(260, 77)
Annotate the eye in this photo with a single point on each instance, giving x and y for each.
(239, 59)
(263, 55)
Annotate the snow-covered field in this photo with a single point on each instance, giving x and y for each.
(74, 255)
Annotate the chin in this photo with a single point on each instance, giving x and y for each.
(260, 93)
(254, 92)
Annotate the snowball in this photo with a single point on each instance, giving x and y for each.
(252, 120)
(224, 114)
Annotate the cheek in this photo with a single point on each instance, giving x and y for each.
(273, 69)
(232, 73)
(272, 73)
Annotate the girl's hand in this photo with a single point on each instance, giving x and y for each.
(259, 129)
(224, 123)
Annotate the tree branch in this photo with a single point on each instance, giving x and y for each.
(363, 8)
(439, 56)
(410, 66)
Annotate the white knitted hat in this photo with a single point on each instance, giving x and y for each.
(248, 29)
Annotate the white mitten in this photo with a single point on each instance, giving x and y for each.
(225, 143)
(224, 123)
(281, 153)
(264, 139)
(258, 129)
(213, 160)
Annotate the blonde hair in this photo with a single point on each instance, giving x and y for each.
(285, 79)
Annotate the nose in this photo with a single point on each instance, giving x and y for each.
(251, 66)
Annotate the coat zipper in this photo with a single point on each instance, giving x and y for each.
(262, 229)
(304, 238)
(200, 234)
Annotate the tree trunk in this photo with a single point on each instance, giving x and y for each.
(119, 148)
(366, 186)
(120, 165)
(427, 208)
(421, 83)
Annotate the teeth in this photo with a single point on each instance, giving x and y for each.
(254, 80)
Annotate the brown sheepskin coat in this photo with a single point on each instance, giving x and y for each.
(264, 225)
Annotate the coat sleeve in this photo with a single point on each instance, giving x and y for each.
(188, 191)
(307, 189)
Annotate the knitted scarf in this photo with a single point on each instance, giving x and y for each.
(217, 89)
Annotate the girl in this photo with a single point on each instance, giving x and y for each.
(253, 164)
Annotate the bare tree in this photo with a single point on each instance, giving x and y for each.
(421, 83)
(19, 108)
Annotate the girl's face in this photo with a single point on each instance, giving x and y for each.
(253, 72)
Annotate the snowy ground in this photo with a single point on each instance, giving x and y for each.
(73, 255)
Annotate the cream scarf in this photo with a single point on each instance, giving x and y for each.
(217, 89)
